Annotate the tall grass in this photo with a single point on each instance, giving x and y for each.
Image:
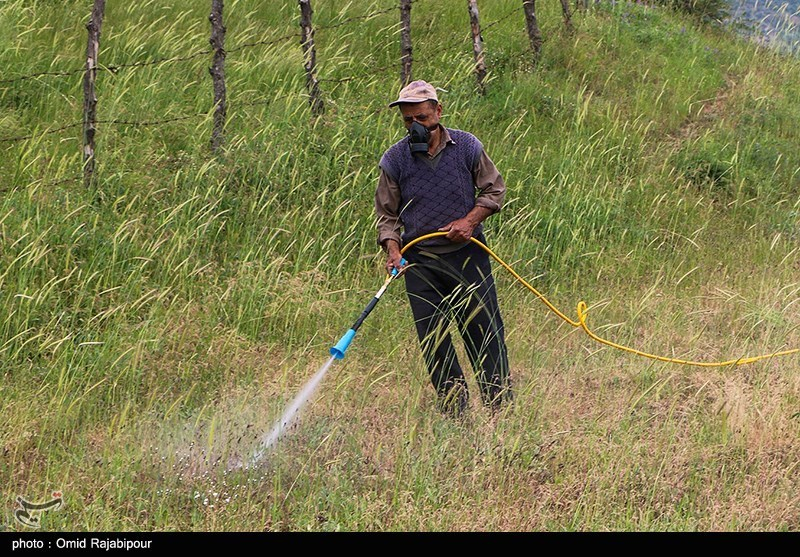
(154, 327)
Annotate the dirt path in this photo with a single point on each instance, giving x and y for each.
(702, 118)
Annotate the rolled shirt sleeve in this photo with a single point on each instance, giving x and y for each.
(387, 205)
(490, 184)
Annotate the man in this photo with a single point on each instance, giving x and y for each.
(428, 183)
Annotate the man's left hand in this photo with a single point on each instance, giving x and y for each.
(459, 230)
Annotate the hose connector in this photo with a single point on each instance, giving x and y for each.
(402, 262)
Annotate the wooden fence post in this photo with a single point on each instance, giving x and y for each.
(217, 71)
(567, 15)
(310, 58)
(534, 34)
(477, 45)
(89, 97)
(405, 42)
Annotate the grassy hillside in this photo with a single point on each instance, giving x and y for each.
(154, 327)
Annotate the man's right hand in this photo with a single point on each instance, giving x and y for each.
(394, 258)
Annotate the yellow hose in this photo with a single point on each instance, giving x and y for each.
(582, 312)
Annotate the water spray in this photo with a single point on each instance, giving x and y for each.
(337, 353)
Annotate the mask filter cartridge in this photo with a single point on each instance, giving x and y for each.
(418, 138)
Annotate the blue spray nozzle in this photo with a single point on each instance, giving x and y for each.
(402, 262)
(340, 348)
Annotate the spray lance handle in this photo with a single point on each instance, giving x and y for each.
(338, 350)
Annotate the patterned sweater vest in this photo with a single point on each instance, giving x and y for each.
(433, 196)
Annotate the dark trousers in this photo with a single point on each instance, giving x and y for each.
(459, 285)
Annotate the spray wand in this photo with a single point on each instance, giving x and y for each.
(338, 350)
(337, 353)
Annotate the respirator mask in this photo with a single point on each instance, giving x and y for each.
(418, 136)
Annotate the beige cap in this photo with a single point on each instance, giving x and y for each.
(416, 92)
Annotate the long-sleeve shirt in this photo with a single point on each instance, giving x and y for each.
(491, 190)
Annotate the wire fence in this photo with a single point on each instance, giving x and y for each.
(115, 68)
(118, 67)
(183, 58)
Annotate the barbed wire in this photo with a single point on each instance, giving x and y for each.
(40, 74)
(503, 18)
(63, 181)
(47, 132)
(236, 102)
(114, 68)
(374, 71)
(151, 122)
(357, 18)
(262, 42)
(39, 182)
(108, 122)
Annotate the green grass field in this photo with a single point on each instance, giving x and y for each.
(153, 327)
